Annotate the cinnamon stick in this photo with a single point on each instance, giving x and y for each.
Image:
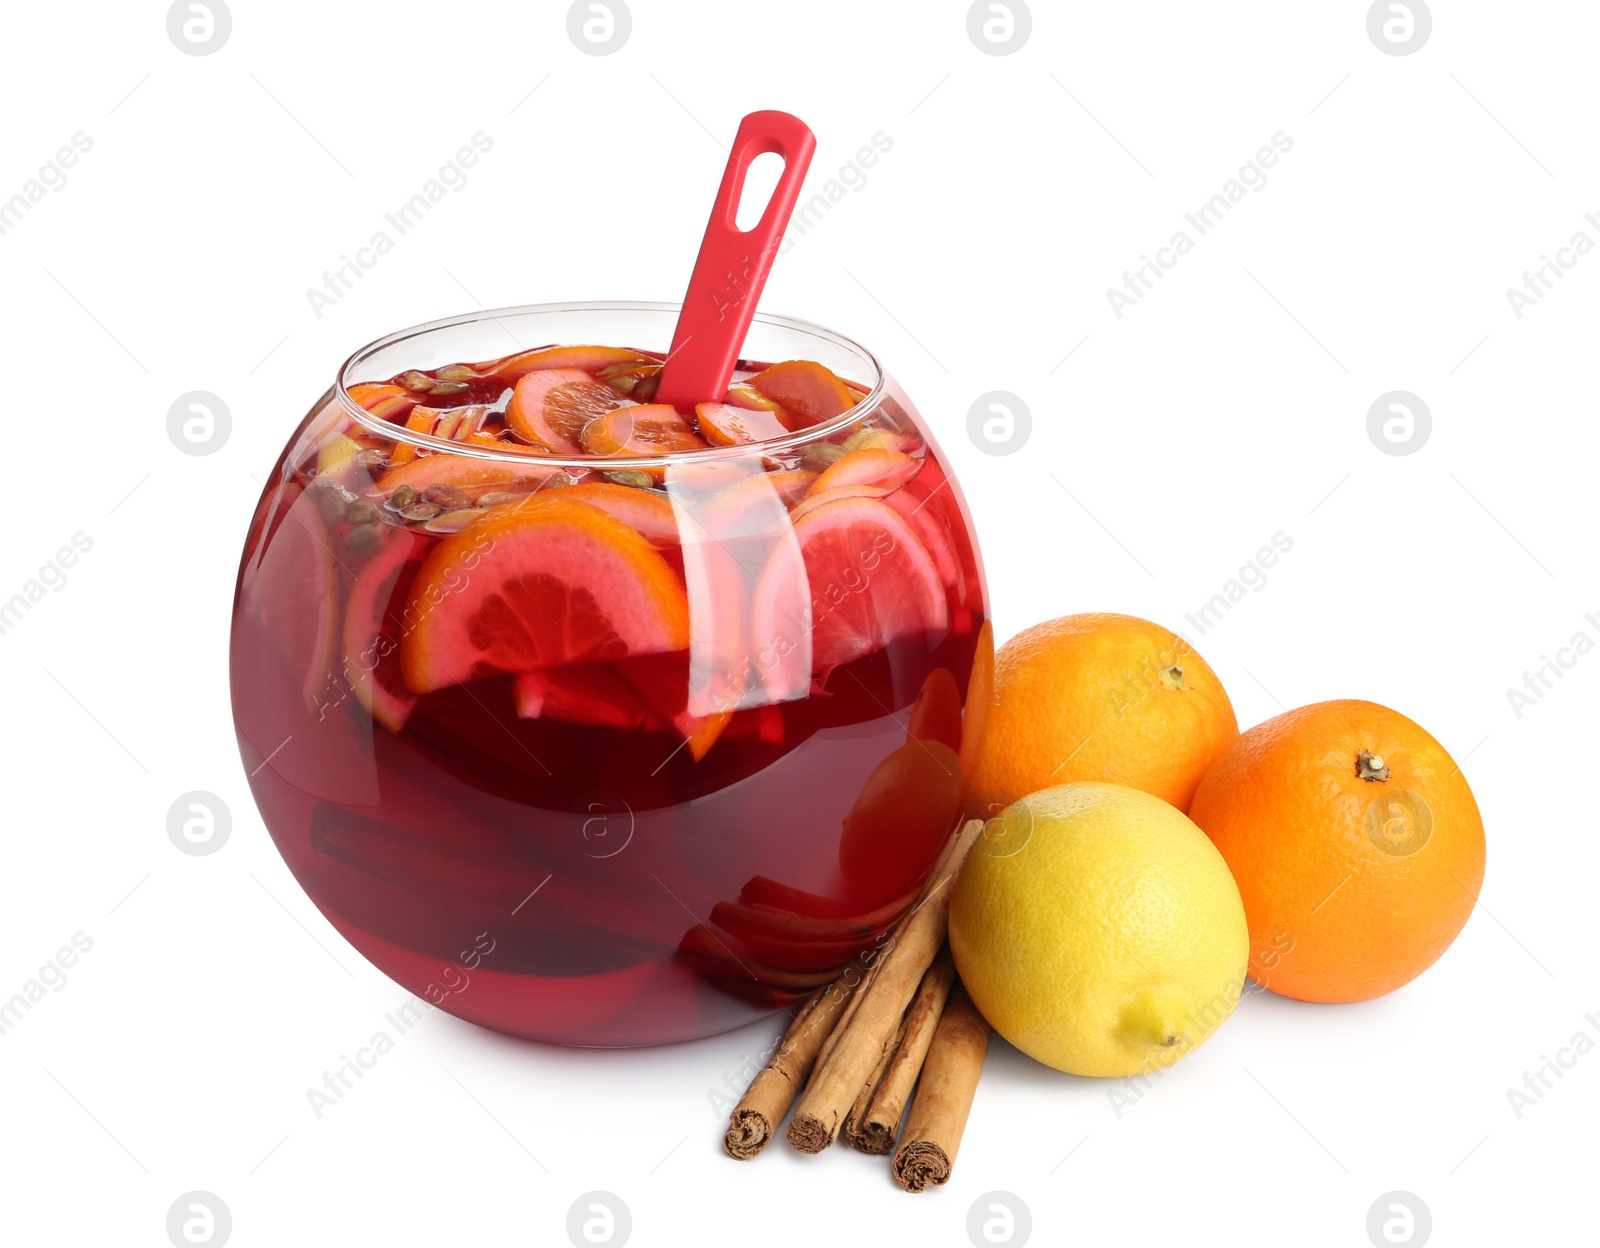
(851, 1131)
(869, 1033)
(776, 1084)
(876, 1128)
(944, 1096)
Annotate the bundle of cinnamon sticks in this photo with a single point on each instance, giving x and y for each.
(895, 1019)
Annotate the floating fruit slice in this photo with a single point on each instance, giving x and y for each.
(807, 391)
(787, 485)
(723, 424)
(336, 455)
(550, 407)
(636, 381)
(900, 820)
(662, 680)
(870, 466)
(931, 529)
(582, 693)
(743, 394)
(475, 476)
(297, 589)
(649, 512)
(374, 621)
(821, 498)
(975, 722)
(386, 402)
(588, 358)
(936, 714)
(641, 429)
(869, 581)
(456, 423)
(883, 440)
(540, 586)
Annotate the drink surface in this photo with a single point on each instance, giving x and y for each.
(597, 722)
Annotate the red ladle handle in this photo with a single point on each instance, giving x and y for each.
(733, 264)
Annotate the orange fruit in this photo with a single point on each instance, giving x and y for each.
(1098, 697)
(1356, 844)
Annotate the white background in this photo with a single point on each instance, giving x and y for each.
(1229, 405)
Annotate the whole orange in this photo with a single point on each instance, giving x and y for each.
(1095, 697)
(1356, 844)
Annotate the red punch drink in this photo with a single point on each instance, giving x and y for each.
(594, 720)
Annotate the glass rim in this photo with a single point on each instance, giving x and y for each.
(345, 378)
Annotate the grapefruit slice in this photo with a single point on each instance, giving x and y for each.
(870, 582)
(374, 622)
(538, 587)
(551, 406)
(870, 466)
(912, 504)
(582, 693)
(640, 429)
(724, 424)
(806, 390)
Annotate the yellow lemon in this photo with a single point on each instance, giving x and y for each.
(1099, 930)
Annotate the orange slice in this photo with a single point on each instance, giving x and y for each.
(871, 466)
(540, 587)
(472, 475)
(641, 429)
(386, 401)
(723, 424)
(588, 358)
(869, 580)
(457, 423)
(788, 484)
(646, 512)
(807, 391)
(550, 407)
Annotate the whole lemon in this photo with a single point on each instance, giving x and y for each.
(1098, 930)
(1094, 697)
